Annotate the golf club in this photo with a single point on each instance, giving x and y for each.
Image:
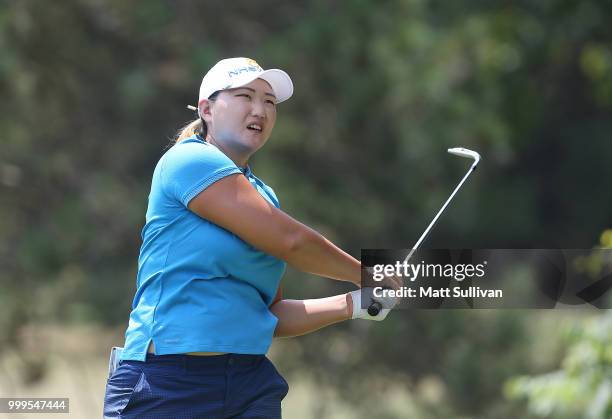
(375, 307)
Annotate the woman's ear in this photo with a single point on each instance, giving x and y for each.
(204, 109)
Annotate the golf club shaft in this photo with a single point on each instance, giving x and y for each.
(418, 243)
(375, 307)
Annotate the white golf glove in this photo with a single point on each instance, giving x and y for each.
(368, 295)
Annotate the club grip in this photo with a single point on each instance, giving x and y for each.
(374, 308)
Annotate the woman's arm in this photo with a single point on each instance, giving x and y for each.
(235, 205)
(299, 317)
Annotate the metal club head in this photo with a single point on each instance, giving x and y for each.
(464, 152)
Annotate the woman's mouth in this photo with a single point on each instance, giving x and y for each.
(254, 127)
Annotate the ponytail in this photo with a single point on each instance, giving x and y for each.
(197, 126)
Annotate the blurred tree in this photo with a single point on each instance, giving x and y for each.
(583, 386)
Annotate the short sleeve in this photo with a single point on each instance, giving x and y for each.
(190, 167)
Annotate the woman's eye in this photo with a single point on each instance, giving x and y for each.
(244, 95)
(271, 102)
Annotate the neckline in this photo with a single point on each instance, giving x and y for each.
(245, 170)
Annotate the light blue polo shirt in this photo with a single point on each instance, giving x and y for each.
(200, 288)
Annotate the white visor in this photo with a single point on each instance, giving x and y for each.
(231, 73)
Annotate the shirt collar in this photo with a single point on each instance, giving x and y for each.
(245, 170)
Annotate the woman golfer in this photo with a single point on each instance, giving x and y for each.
(214, 248)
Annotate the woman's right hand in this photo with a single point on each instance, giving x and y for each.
(373, 292)
(366, 297)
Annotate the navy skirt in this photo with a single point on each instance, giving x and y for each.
(189, 386)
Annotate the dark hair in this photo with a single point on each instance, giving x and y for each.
(197, 126)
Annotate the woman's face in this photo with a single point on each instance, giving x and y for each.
(240, 120)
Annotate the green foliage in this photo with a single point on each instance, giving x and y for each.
(583, 385)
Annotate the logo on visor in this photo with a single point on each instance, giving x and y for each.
(253, 63)
(251, 67)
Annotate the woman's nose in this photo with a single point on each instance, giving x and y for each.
(258, 109)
